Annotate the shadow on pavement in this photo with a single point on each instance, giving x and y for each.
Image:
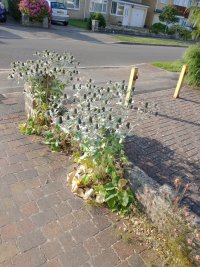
(5, 34)
(179, 120)
(189, 100)
(164, 165)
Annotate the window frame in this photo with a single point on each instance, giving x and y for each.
(165, 2)
(184, 3)
(102, 3)
(75, 8)
(118, 4)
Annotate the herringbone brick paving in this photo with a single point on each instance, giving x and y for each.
(168, 146)
(41, 222)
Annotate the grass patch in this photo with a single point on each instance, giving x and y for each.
(175, 66)
(149, 41)
(79, 23)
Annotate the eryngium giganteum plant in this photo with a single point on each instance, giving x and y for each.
(48, 75)
(91, 111)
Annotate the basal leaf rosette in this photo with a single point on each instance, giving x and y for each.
(35, 9)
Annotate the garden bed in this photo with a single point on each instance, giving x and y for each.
(35, 13)
(134, 31)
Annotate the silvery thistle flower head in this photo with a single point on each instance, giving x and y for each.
(48, 64)
(95, 109)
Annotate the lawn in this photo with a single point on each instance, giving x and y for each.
(149, 41)
(175, 66)
(78, 23)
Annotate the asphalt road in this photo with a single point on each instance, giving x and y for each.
(91, 49)
(94, 51)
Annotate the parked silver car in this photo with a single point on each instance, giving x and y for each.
(59, 12)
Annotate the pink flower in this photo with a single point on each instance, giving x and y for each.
(35, 9)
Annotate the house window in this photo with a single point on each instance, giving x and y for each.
(114, 8)
(117, 9)
(163, 1)
(98, 6)
(184, 3)
(73, 4)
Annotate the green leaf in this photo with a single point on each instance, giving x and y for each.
(100, 188)
(55, 148)
(110, 186)
(86, 179)
(111, 203)
(131, 196)
(123, 198)
(110, 196)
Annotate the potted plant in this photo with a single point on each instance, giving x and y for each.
(35, 13)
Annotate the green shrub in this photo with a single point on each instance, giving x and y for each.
(182, 32)
(158, 28)
(96, 16)
(172, 30)
(13, 9)
(192, 59)
(194, 19)
(185, 34)
(169, 15)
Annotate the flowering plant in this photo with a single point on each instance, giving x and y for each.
(35, 9)
(47, 75)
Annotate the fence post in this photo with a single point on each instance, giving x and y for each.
(131, 84)
(180, 81)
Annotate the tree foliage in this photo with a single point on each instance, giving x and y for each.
(195, 20)
(96, 16)
(169, 15)
(158, 28)
(192, 59)
(14, 9)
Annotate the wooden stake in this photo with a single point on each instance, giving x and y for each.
(131, 84)
(180, 81)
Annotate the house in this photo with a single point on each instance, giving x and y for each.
(156, 6)
(123, 12)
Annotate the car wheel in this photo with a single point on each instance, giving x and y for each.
(65, 23)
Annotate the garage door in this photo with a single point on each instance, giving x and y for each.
(137, 18)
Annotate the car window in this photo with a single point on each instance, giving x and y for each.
(57, 5)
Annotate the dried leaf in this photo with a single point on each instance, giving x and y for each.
(70, 178)
(100, 198)
(80, 193)
(122, 183)
(75, 185)
(88, 193)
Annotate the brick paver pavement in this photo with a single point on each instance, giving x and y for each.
(41, 222)
(168, 146)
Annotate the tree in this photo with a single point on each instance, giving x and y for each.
(169, 15)
(14, 9)
(195, 21)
